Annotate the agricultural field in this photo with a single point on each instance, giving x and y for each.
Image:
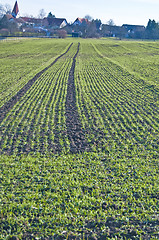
(22, 60)
(79, 139)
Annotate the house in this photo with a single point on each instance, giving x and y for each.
(133, 31)
(9, 17)
(32, 22)
(79, 21)
(44, 25)
(47, 25)
(55, 23)
(133, 28)
(10, 22)
(110, 31)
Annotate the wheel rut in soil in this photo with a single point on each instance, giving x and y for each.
(9, 105)
(76, 134)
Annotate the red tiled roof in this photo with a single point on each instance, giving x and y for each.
(8, 16)
(32, 20)
(82, 20)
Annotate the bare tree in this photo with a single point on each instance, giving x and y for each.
(88, 17)
(1, 11)
(111, 22)
(42, 13)
(7, 8)
(62, 33)
(4, 9)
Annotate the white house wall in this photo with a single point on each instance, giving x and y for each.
(63, 24)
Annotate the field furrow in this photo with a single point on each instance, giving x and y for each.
(21, 60)
(75, 132)
(117, 109)
(7, 106)
(36, 123)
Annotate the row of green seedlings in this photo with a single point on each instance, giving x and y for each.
(103, 106)
(31, 126)
(140, 93)
(13, 81)
(134, 85)
(143, 99)
(141, 59)
(32, 115)
(127, 48)
(17, 120)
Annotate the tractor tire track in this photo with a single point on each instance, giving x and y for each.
(9, 105)
(76, 134)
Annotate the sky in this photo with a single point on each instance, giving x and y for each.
(121, 11)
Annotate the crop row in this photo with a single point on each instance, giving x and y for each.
(117, 109)
(22, 59)
(140, 58)
(37, 122)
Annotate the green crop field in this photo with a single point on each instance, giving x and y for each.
(79, 139)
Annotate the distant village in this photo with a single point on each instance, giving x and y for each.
(50, 26)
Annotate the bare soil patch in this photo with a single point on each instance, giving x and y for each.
(75, 132)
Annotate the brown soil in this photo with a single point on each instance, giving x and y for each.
(76, 134)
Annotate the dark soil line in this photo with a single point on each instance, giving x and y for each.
(29, 133)
(76, 134)
(9, 105)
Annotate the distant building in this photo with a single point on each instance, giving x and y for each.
(32, 22)
(110, 31)
(133, 28)
(79, 21)
(55, 23)
(29, 24)
(45, 24)
(133, 31)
